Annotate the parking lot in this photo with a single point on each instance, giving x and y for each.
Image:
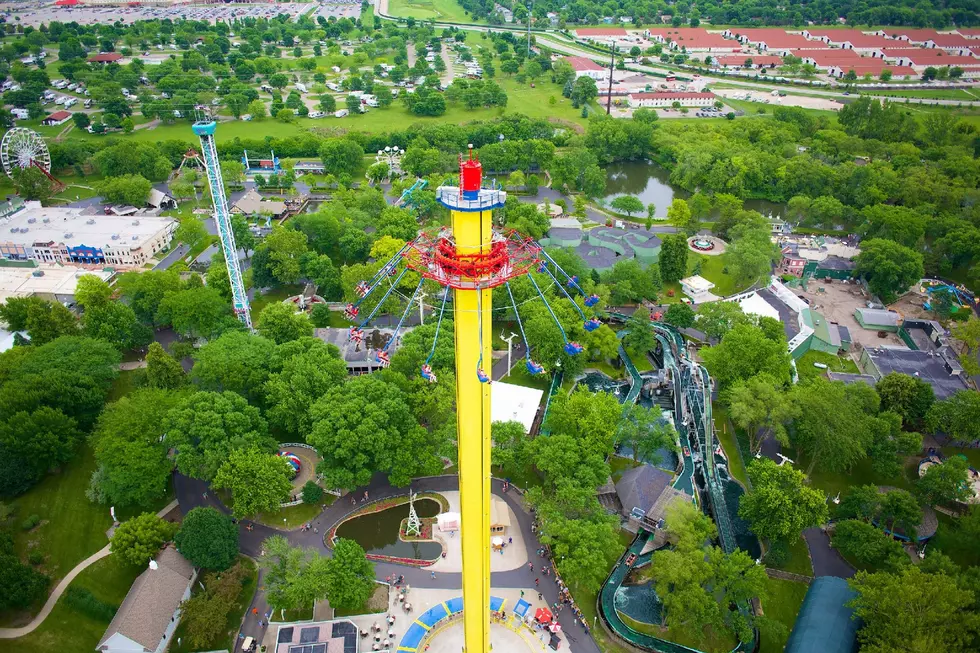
(30, 13)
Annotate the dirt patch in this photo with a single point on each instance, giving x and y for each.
(837, 302)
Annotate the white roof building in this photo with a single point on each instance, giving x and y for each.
(514, 403)
(698, 289)
(50, 282)
(64, 235)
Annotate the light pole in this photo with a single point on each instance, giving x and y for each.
(510, 347)
(422, 295)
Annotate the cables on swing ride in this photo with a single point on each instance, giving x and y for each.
(532, 367)
(427, 372)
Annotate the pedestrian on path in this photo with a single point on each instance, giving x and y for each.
(433, 575)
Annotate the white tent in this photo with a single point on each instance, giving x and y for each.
(448, 521)
(514, 403)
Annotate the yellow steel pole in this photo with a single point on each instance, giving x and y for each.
(472, 231)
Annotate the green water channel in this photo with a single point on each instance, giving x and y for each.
(377, 532)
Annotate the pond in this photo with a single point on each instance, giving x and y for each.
(377, 532)
(313, 206)
(651, 183)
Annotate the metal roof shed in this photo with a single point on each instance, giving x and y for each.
(824, 624)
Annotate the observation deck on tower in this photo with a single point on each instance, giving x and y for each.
(469, 196)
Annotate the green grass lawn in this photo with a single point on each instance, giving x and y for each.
(861, 474)
(712, 269)
(607, 368)
(66, 630)
(806, 369)
(520, 376)
(726, 435)
(294, 515)
(277, 294)
(783, 604)
(714, 642)
(963, 551)
(297, 614)
(228, 640)
(798, 561)
(931, 94)
(376, 604)
(528, 478)
(640, 360)
(444, 10)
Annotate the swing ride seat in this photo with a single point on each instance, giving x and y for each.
(572, 281)
(572, 348)
(362, 289)
(427, 374)
(480, 374)
(383, 358)
(356, 334)
(542, 268)
(350, 312)
(591, 300)
(534, 368)
(592, 324)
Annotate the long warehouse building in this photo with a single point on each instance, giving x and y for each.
(69, 236)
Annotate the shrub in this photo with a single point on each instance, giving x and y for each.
(85, 602)
(30, 522)
(35, 557)
(312, 493)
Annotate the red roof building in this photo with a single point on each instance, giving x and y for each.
(105, 57)
(930, 38)
(57, 118)
(585, 67)
(851, 39)
(693, 39)
(922, 58)
(774, 39)
(66, 3)
(758, 60)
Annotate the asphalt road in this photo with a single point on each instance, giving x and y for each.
(192, 493)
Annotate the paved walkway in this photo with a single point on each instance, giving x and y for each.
(13, 633)
(192, 493)
(827, 561)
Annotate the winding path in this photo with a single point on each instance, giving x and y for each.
(13, 633)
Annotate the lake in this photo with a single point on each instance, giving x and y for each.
(651, 183)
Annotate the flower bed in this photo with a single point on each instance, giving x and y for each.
(410, 562)
(425, 532)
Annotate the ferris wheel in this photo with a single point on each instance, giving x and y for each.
(23, 148)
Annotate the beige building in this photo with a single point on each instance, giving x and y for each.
(54, 283)
(68, 236)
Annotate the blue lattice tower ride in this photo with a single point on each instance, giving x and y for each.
(222, 219)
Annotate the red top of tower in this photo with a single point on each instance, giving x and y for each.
(471, 173)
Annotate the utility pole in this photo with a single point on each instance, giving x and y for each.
(531, 8)
(510, 348)
(422, 295)
(612, 62)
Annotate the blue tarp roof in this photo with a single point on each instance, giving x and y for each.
(824, 624)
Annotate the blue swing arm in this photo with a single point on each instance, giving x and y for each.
(442, 310)
(571, 281)
(401, 320)
(383, 299)
(384, 271)
(554, 317)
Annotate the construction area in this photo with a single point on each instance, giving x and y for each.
(837, 301)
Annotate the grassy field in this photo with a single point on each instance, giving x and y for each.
(274, 295)
(861, 474)
(67, 630)
(447, 10)
(294, 516)
(798, 561)
(232, 622)
(783, 604)
(726, 435)
(520, 376)
(806, 369)
(931, 94)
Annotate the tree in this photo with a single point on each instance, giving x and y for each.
(645, 432)
(761, 408)
(781, 504)
(584, 90)
(244, 238)
(256, 109)
(312, 493)
(833, 427)
(259, 482)
(162, 370)
(640, 336)
(115, 323)
(191, 231)
(32, 184)
(681, 316)
(627, 204)
(956, 416)
(281, 323)
(744, 352)
(286, 248)
(969, 334)
(350, 576)
(914, 611)
(294, 577)
(341, 155)
(208, 538)
(81, 120)
(366, 426)
(127, 189)
(303, 379)
(867, 545)
(353, 104)
(718, 318)
(20, 585)
(899, 510)
(138, 540)
(236, 361)
(33, 442)
(591, 418)
(679, 215)
(673, 258)
(909, 396)
(205, 614)
(207, 426)
(196, 312)
(945, 482)
(889, 267)
(132, 463)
